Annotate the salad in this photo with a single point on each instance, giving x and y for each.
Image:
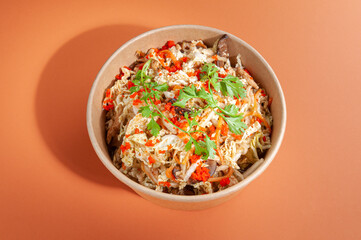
(182, 120)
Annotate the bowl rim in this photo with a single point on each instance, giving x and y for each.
(181, 198)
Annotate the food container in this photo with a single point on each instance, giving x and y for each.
(124, 56)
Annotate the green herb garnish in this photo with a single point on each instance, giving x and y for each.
(229, 86)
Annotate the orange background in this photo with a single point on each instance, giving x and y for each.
(52, 185)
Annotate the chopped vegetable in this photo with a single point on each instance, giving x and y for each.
(151, 160)
(201, 174)
(166, 184)
(125, 147)
(224, 182)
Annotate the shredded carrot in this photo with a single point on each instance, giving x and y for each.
(176, 159)
(217, 179)
(220, 155)
(176, 87)
(169, 174)
(136, 131)
(212, 129)
(218, 130)
(224, 130)
(255, 113)
(157, 140)
(170, 147)
(161, 151)
(170, 54)
(127, 135)
(162, 63)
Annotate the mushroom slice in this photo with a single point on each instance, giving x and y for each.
(179, 110)
(188, 190)
(221, 48)
(175, 170)
(115, 127)
(212, 165)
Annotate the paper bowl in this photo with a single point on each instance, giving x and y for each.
(124, 56)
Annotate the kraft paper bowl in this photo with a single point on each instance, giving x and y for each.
(124, 56)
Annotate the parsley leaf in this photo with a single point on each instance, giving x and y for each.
(231, 110)
(195, 113)
(134, 89)
(188, 145)
(235, 123)
(199, 147)
(162, 87)
(202, 93)
(185, 95)
(153, 127)
(192, 122)
(211, 146)
(145, 111)
(233, 87)
(229, 86)
(209, 70)
(233, 119)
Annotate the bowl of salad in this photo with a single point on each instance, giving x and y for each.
(186, 115)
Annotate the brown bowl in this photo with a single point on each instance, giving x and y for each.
(124, 56)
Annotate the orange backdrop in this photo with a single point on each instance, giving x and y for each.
(54, 187)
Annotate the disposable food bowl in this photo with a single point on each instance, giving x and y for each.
(125, 55)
